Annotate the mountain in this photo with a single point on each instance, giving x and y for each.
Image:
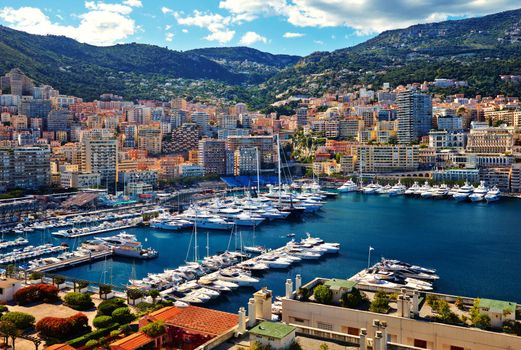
(86, 70)
(477, 50)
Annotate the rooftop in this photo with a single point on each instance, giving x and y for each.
(497, 306)
(133, 341)
(335, 284)
(196, 319)
(272, 329)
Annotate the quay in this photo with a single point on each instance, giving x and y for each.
(110, 229)
(73, 261)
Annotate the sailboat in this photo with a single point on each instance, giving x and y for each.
(256, 249)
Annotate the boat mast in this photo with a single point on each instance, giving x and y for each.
(278, 166)
(258, 170)
(196, 258)
(207, 244)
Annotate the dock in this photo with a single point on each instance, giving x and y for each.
(110, 229)
(73, 261)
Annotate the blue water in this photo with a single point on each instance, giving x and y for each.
(474, 246)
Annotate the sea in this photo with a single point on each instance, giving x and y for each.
(474, 247)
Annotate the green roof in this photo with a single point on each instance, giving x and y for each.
(335, 284)
(272, 329)
(497, 306)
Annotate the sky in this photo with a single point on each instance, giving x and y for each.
(295, 27)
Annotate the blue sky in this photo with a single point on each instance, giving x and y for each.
(279, 26)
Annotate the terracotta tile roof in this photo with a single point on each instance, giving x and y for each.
(133, 341)
(60, 347)
(197, 319)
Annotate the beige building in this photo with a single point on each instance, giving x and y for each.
(386, 158)
(490, 140)
(149, 139)
(398, 328)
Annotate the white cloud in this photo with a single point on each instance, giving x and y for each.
(365, 16)
(168, 27)
(133, 3)
(169, 37)
(166, 10)
(217, 25)
(318, 42)
(250, 38)
(100, 25)
(101, 6)
(184, 30)
(291, 35)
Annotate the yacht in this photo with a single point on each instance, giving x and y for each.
(429, 192)
(384, 190)
(237, 276)
(493, 195)
(463, 192)
(479, 192)
(170, 225)
(397, 190)
(127, 245)
(424, 188)
(371, 188)
(412, 190)
(348, 186)
(453, 190)
(440, 191)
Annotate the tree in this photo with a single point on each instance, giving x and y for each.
(104, 289)
(79, 301)
(459, 303)
(63, 328)
(154, 329)
(122, 315)
(352, 299)
(9, 329)
(322, 294)
(134, 293)
(380, 303)
(295, 345)
(21, 320)
(154, 293)
(477, 318)
(103, 321)
(80, 285)
(107, 307)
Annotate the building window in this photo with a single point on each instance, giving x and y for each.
(299, 320)
(353, 331)
(420, 343)
(1, 291)
(452, 347)
(325, 326)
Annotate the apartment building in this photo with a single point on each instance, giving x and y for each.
(25, 167)
(386, 158)
(212, 156)
(490, 140)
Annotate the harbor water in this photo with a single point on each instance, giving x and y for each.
(473, 246)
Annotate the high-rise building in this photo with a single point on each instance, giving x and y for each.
(25, 167)
(414, 116)
(99, 155)
(265, 144)
(18, 83)
(184, 139)
(245, 161)
(386, 158)
(302, 116)
(212, 156)
(59, 120)
(35, 108)
(202, 119)
(149, 139)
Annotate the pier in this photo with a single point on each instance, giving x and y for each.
(73, 261)
(95, 232)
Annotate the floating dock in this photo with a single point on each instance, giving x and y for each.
(73, 261)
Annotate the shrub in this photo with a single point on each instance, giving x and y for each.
(380, 302)
(322, 294)
(21, 320)
(512, 327)
(296, 346)
(102, 322)
(134, 293)
(82, 284)
(36, 293)
(126, 329)
(154, 329)
(352, 299)
(63, 328)
(122, 315)
(97, 334)
(3, 309)
(36, 276)
(459, 303)
(58, 280)
(115, 333)
(107, 307)
(91, 343)
(79, 301)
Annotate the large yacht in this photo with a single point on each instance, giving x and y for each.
(127, 245)
(479, 193)
(412, 190)
(371, 188)
(463, 192)
(397, 190)
(348, 186)
(493, 195)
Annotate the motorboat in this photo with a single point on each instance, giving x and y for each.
(348, 186)
(412, 190)
(479, 192)
(463, 192)
(493, 195)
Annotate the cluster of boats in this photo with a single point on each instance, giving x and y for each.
(225, 213)
(122, 244)
(466, 191)
(397, 274)
(202, 280)
(29, 252)
(105, 226)
(20, 241)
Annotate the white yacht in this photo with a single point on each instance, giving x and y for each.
(412, 190)
(453, 190)
(348, 186)
(463, 192)
(424, 188)
(479, 192)
(371, 188)
(384, 189)
(429, 192)
(493, 195)
(237, 276)
(397, 190)
(170, 225)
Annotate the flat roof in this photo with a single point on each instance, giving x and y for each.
(497, 306)
(272, 329)
(335, 284)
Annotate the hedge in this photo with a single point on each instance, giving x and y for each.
(122, 315)
(63, 328)
(80, 341)
(102, 321)
(21, 320)
(36, 293)
(79, 301)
